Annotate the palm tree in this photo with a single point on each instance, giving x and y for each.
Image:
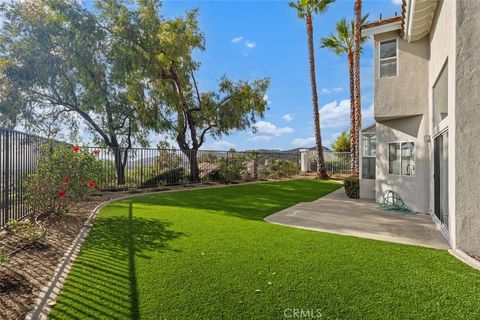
(356, 70)
(305, 9)
(343, 43)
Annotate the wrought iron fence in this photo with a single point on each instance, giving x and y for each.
(337, 163)
(19, 153)
(124, 169)
(149, 167)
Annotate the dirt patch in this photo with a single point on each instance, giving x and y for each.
(32, 264)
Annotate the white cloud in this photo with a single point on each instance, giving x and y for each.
(246, 44)
(222, 145)
(303, 142)
(331, 90)
(367, 116)
(260, 138)
(287, 117)
(236, 39)
(250, 44)
(267, 128)
(267, 99)
(397, 2)
(335, 114)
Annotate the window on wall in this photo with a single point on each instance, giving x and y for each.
(401, 158)
(440, 96)
(388, 58)
(369, 141)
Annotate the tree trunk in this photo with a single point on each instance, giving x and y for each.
(321, 172)
(119, 165)
(194, 169)
(356, 60)
(353, 124)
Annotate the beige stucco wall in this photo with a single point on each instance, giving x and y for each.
(407, 93)
(414, 190)
(442, 49)
(367, 189)
(467, 124)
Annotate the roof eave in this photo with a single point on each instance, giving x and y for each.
(392, 26)
(417, 16)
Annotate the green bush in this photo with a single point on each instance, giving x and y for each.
(213, 175)
(64, 176)
(282, 168)
(169, 177)
(352, 187)
(232, 168)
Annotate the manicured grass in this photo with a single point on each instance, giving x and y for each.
(207, 254)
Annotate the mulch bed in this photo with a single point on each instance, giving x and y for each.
(31, 266)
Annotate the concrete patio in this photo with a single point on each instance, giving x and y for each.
(336, 213)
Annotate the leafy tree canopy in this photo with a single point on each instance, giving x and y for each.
(342, 144)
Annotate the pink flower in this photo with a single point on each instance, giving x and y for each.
(75, 148)
(96, 152)
(61, 193)
(67, 180)
(91, 184)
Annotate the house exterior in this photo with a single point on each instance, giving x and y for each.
(423, 145)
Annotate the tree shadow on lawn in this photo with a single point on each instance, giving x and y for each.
(252, 202)
(103, 281)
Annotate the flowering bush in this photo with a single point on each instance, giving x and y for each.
(64, 176)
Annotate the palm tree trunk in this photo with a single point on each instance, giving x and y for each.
(357, 98)
(321, 172)
(353, 123)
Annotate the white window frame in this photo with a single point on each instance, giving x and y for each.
(380, 59)
(414, 158)
(440, 127)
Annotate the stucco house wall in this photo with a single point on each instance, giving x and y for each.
(443, 50)
(467, 118)
(407, 93)
(414, 190)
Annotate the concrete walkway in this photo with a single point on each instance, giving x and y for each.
(336, 213)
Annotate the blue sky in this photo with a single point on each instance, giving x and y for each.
(250, 39)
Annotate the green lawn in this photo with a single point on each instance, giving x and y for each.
(207, 254)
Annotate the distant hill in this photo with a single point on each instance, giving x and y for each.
(291, 150)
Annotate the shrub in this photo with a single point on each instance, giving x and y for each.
(232, 169)
(213, 175)
(169, 177)
(283, 168)
(64, 176)
(352, 187)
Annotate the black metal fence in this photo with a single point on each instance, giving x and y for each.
(148, 167)
(19, 153)
(125, 169)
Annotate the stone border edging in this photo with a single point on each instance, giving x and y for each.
(465, 258)
(49, 293)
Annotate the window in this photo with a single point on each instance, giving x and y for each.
(401, 158)
(440, 96)
(369, 141)
(388, 58)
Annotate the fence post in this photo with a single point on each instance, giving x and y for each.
(255, 166)
(6, 177)
(303, 160)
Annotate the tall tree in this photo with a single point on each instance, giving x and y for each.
(357, 96)
(342, 144)
(343, 43)
(170, 96)
(58, 66)
(305, 9)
